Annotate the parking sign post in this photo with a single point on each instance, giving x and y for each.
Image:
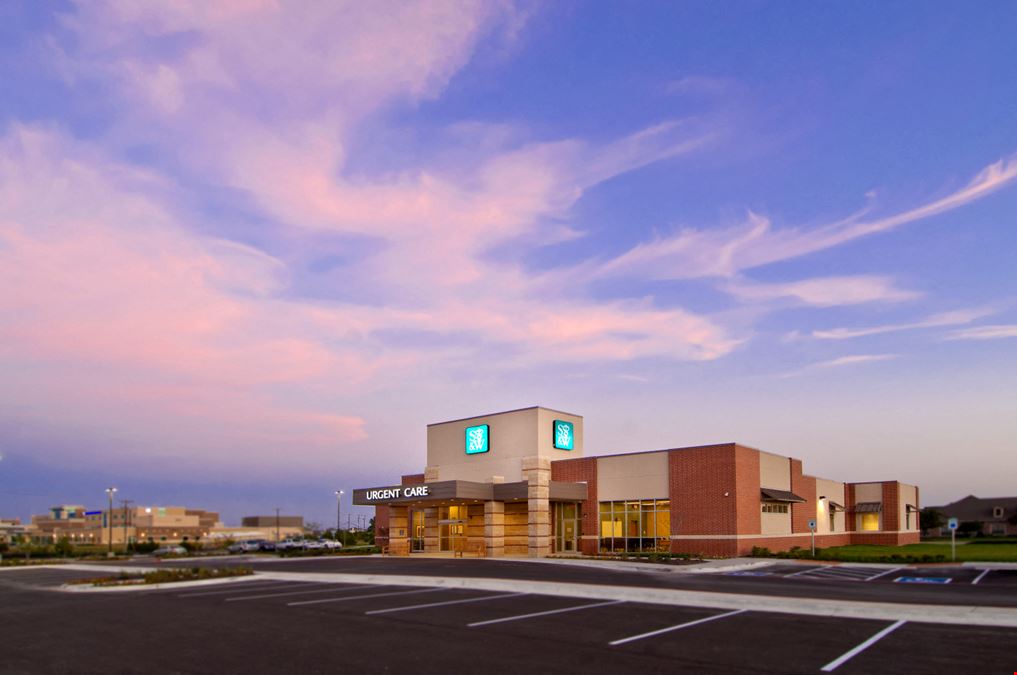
(812, 530)
(952, 524)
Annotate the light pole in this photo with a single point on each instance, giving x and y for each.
(338, 512)
(110, 491)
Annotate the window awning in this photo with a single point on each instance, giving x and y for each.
(911, 507)
(868, 507)
(834, 506)
(771, 495)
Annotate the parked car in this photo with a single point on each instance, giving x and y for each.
(290, 545)
(331, 544)
(246, 546)
(266, 545)
(170, 550)
(313, 544)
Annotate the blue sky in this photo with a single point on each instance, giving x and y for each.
(249, 249)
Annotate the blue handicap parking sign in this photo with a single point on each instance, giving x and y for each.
(922, 580)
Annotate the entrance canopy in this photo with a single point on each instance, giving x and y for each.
(439, 491)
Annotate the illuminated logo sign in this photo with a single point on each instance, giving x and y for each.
(398, 492)
(564, 435)
(478, 439)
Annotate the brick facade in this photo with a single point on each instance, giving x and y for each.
(583, 470)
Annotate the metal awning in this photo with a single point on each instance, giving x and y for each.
(834, 506)
(911, 508)
(868, 507)
(771, 495)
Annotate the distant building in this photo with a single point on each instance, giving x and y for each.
(993, 513)
(162, 524)
(272, 521)
(9, 529)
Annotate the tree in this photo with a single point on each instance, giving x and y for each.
(930, 519)
(969, 527)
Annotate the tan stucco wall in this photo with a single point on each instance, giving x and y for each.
(833, 491)
(513, 436)
(774, 472)
(638, 476)
(775, 523)
(868, 492)
(908, 494)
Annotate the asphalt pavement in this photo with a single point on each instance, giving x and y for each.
(270, 625)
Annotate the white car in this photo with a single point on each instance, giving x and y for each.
(290, 545)
(330, 544)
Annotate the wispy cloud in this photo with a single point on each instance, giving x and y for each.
(693, 253)
(955, 318)
(992, 332)
(840, 362)
(824, 291)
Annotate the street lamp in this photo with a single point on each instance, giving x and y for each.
(338, 511)
(110, 491)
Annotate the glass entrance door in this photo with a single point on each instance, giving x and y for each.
(417, 531)
(566, 527)
(451, 528)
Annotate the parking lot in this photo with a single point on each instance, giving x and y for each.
(265, 625)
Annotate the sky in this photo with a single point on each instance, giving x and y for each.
(250, 248)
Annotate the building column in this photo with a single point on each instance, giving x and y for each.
(494, 529)
(398, 531)
(537, 471)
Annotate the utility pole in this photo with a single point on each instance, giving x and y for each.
(110, 491)
(277, 524)
(125, 502)
(338, 514)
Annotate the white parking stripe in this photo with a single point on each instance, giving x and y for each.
(358, 597)
(832, 665)
(884, 573)
(804, 571)
(678, 627)
(288, 584)
(979, 578)
(447, 602)
(574, 608)
(335, 588)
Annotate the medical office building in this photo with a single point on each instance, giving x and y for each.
(516, 483)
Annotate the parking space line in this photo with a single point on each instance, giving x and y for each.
(531, 615)
(884, 573)
(335, 588)
(846, 656)
(447, 602)
(687, 624)
(794, 574)
(370, 595)
(288, 584)
(979, 577)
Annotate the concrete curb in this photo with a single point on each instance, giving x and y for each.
(966, 615)
(82, 588)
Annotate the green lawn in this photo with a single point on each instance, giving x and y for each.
(968, 552)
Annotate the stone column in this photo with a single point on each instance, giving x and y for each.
(494, 529)
(398, 531)
(537, 471)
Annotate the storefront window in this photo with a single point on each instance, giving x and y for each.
(870, 522)
(635, 525)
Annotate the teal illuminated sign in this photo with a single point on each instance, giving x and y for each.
(564, 435)
(478, 439)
